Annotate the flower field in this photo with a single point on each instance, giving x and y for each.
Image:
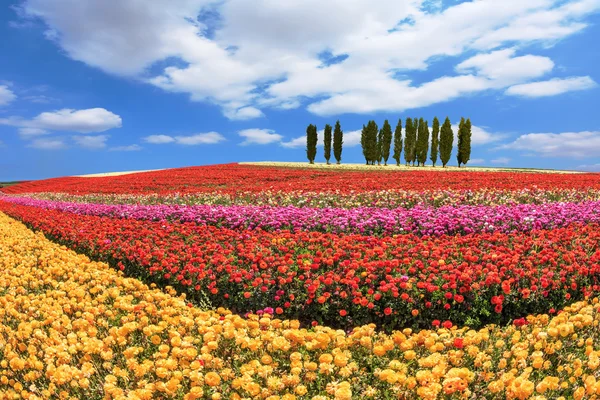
(310, 284)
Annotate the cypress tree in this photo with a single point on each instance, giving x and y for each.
(338, 141)
(464, 142)
(446, 142)
(422, 142)
(364, 143)
(435, 140)
(373, 131)
(413, 147)
(398, 142)
(387, 141)
(379, 146)
(407, 140)
(461, 136)
(311, 143)
(327, 142)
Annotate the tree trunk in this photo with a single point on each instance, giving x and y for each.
(338, 163)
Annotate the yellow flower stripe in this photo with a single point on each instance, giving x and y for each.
(71, 328)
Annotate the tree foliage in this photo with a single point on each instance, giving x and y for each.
(368, 141)
(408, 140)
(386, 141)
(327, 142)
(311, 143)
(464, 142)
(338, 141)
(435, 132)
(422, 142)
(446, 142)
(398, 142)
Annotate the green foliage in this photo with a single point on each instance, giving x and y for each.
(464, 142)
(368, 141)
(422, 142)
(338, 141)
(446, 142)
(387, 141)
(398, 142)
(327, 142)
(311, 143)
(408, 141)
(435, 140)
(379, 146)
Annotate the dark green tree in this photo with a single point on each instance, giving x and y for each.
(338, 141)
(379, 146)
(373, 130)
(422, 142)
(398, 142)
(464, 142)
(408, 130)
(311, 143)
(435, 140)
(386, 139)
(413, 148)
(364, 143)
(446, 142)
(327, 142)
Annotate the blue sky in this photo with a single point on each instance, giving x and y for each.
(100, 86)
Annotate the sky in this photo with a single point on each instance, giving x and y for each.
(100, 86)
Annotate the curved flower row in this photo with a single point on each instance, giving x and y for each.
(382, 199)
(235, 178)
(345, 280)
(367, 221)
(71, 328)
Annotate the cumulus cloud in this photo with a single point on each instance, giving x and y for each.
(566, 145)
(501, 161)
(132, 147)
(259, 136)
(552, 87)
(589, 167)
(474, 161)
(351, 139)
(6, 95)
(260, 54)
(479, 135)
(91, 142)
(91, 120)
(192, 140)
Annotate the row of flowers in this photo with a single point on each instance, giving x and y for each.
(72, 328)
(344, 280)
(367, 221)
(235, 178)
(382, 199)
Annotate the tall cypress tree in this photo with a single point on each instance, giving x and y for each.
(327, 142)
(311, 143)
(407, 140)
(461, 138)
(413, 148)
(364, 143)
(435, 140)
(379, 146)
(373, 130)
(398, 142)
(446, 142)
(338, 141)
(422, 142)
(464, 142)
(386, 138)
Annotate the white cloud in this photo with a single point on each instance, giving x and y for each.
(259, 136)
(158, 139)
(47, 144)
(200, 138)
(6, 95)
(501, 161)
(91, 142)
(474, 161)
(566, 145)
(192, 140)
(260, 54)
(132, 147)
(552, 87)
(91, 120)
(479, 135)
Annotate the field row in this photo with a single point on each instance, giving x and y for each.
(95, 334)
(447, 220)
(344, 280)
(235, 178)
